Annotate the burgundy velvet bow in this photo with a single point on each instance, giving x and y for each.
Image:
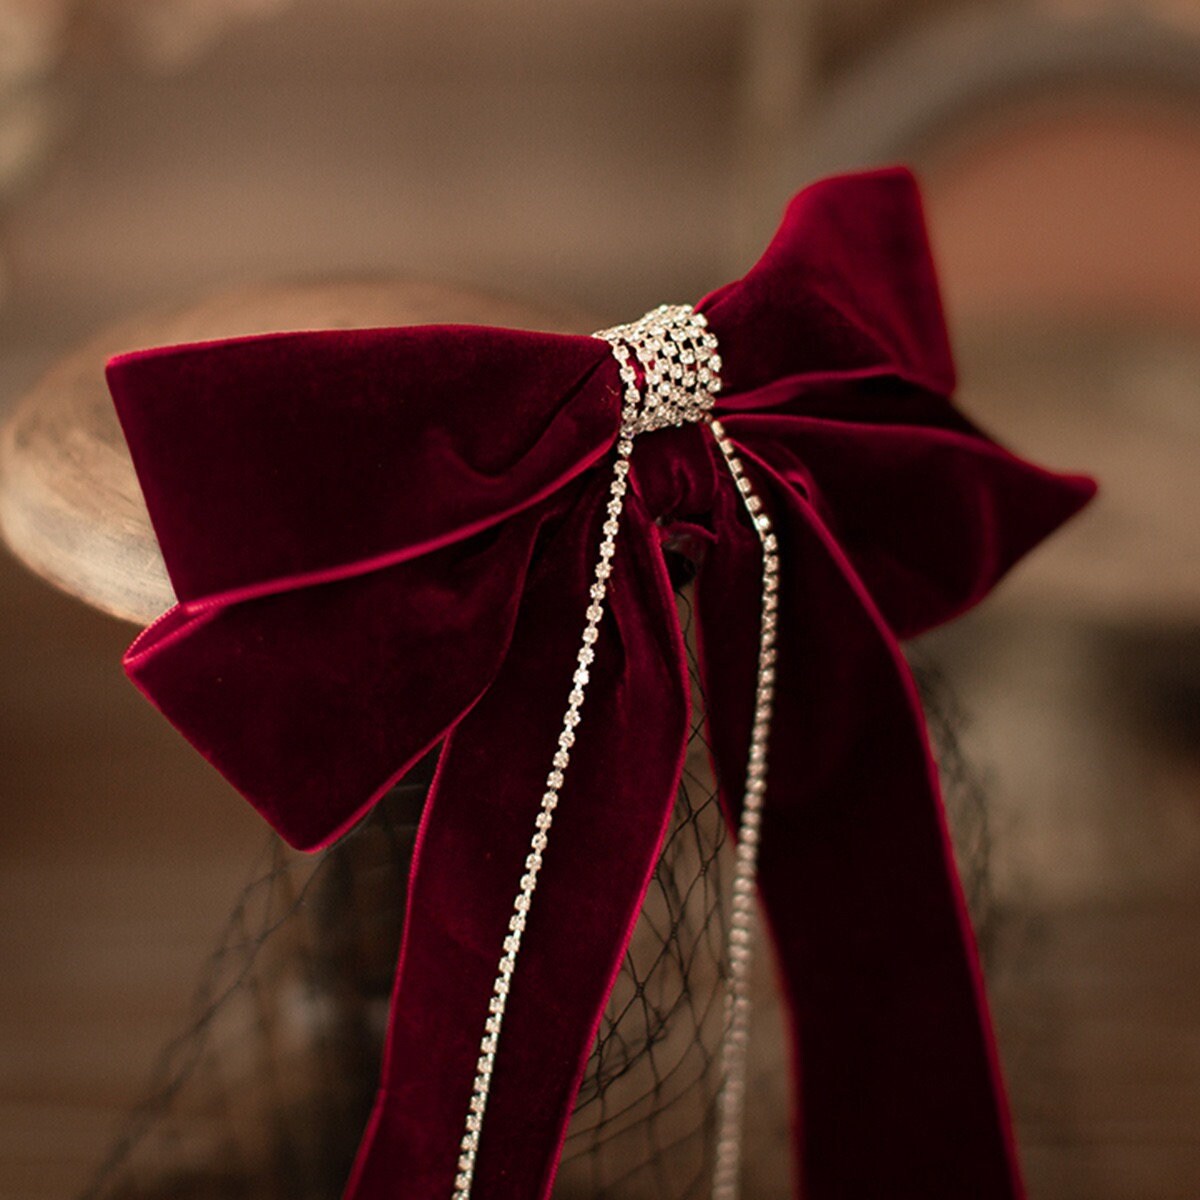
(382, 540)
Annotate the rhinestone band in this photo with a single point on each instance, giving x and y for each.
(674, 382)
(678, 357)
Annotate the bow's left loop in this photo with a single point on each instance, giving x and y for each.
(348, 550)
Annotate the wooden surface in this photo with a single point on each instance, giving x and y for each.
(70, 505)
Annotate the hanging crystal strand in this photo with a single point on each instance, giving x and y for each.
(736, 1041)
(545, 818)
(679, 366)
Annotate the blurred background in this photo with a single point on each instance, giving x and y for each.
(607, 155)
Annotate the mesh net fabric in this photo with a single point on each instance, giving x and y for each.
(266, 1093)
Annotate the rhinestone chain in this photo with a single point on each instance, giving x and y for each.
(736, 1041)
(680, 370)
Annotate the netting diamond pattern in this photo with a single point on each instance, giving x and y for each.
(265, 1094)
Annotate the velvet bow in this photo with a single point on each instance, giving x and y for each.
(382, 541)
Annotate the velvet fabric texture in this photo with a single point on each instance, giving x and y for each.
(382, 541)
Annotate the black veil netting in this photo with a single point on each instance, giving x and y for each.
(265, 1093)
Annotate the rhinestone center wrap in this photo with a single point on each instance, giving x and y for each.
(670, 372)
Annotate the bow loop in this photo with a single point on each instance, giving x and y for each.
(847, 286)
(929, 517)
(313, 702)
(335, 453)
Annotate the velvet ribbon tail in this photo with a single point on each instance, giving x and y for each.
(897, 1085)
(615, 803)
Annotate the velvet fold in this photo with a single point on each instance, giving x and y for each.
(382, 541)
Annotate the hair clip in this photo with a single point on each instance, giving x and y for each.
(389, 540)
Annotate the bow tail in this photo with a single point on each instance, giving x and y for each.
(896, 1074)
(474, 838)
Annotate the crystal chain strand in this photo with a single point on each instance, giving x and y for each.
(736, 1041)
(545, 818)
(680, 368)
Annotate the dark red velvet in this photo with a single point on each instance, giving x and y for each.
(382, 539)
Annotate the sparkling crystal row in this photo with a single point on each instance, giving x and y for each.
(677, 355)
(670, 372)
(736, 1041)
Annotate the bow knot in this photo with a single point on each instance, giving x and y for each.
(678, 371)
